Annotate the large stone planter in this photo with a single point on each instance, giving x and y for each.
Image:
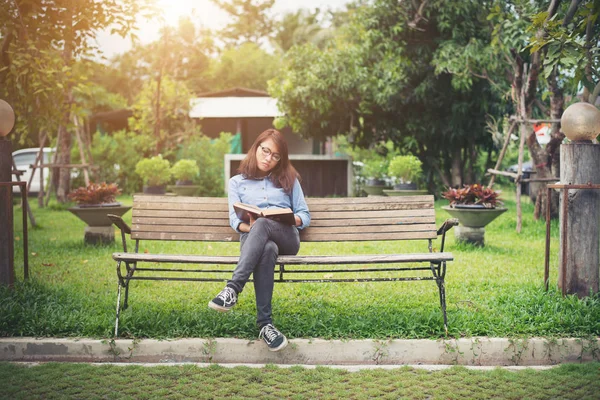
(472, 222)
(99, 229)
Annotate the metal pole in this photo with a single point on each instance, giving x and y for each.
(7, 272)
(547, 255)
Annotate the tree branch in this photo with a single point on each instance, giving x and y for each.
(418, 16)
(571, 12)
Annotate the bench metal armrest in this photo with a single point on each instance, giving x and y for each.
(118, 221)
(446, 226)
(122, 225)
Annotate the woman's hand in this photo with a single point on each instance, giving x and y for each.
(246, 226)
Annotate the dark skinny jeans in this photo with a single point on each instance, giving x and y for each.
(259, 249)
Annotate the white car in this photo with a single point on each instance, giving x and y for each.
(24, 158)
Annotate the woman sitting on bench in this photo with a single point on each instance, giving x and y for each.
(267, 180)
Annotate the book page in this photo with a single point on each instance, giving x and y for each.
(242, 211)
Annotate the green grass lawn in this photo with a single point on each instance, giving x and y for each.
(80, 381)
(495, 291)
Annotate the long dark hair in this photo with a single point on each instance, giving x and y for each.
(284, 174)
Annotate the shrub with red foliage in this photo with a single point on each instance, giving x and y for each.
(95, 193)
(473, 194)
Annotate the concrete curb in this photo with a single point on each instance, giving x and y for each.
(476, 351)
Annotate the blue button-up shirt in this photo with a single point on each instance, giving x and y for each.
(263, 193)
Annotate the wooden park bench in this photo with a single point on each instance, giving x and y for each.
(379, 218)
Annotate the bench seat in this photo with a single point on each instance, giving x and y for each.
(288, 260)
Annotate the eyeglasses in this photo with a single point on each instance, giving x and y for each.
(267, 152)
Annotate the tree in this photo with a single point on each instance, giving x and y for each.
(300, 27)
(162, 119)
(46, 29)
(250, 20)
(246, 66)
(379, 82)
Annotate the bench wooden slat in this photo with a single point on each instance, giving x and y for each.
(289, 260)
(313, 208)
(373, 221)
(180, 221)
(314, 223)
(308, 236)
(179, 214)
(144, 205)
(370, 199)
(304, 236)
(349, 215)
(178, 199)
(199, 228)
(209, 237)
(309, 200)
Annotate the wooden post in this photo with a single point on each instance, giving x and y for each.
(580, 259)
(7, 272)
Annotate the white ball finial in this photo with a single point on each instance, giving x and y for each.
(581, 122)
(7, 118)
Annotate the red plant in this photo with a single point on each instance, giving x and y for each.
(473, 194)
(95, 193)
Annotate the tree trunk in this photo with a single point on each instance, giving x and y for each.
(64, 157)
(456, 169)
(64, 144)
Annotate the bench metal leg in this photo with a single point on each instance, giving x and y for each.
(118, 310)
(130, 272)
(123, 282)
(442, 289)
(439, 273)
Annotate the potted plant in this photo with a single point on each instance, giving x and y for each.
(374, 171)
(155, 172)
(184, 172)
(405, 171)
(94, 202)
(474, 206)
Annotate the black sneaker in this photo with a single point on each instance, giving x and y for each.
(224, 300)
(273, 338)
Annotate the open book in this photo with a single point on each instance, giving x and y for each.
(284, 215)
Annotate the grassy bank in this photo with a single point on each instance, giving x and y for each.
(495, 291)
(80, 381)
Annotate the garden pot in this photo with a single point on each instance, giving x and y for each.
(184, 190)
(394, 192)
(99, 228)
(405, 186)
(160, 189)
(375, 187)
(473, 219)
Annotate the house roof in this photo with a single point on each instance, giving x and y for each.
(234, 107)
(236, 92)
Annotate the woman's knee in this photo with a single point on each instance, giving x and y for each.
(260, 224)
(271, 249)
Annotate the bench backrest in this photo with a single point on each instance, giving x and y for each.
(332, 219)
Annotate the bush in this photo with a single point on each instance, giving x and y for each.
(116, 156)
(209, 155)
(185, 170)
(154, 171)
(405, 168)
